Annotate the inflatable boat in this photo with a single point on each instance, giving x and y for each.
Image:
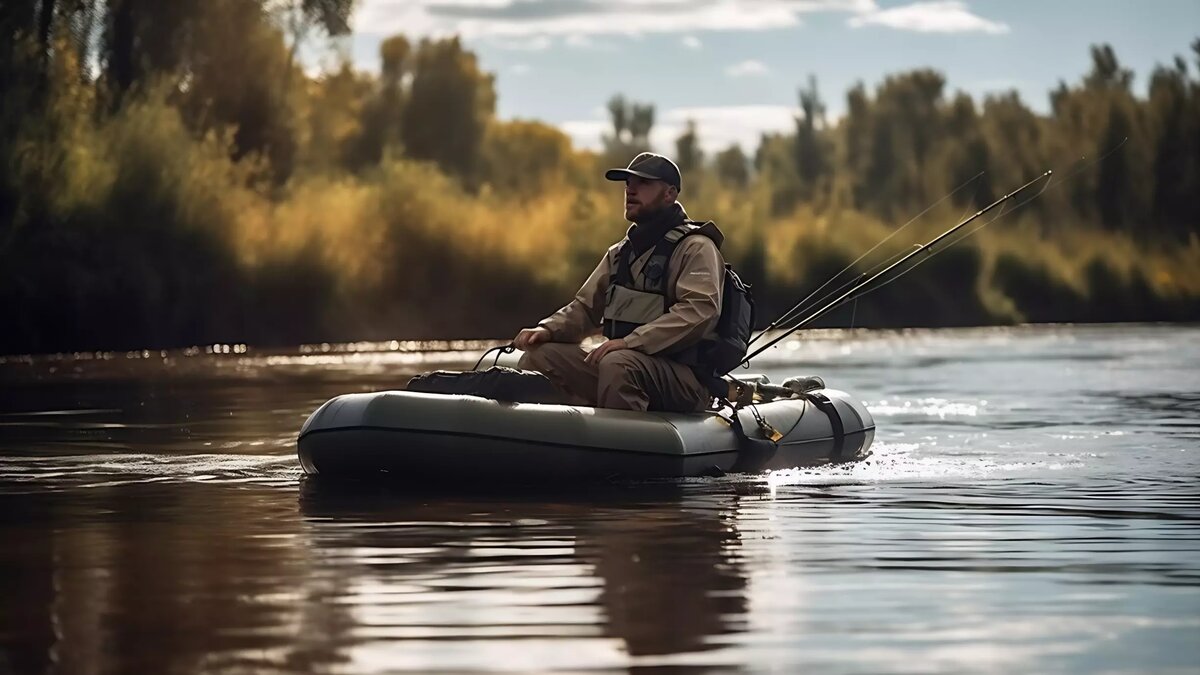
(414, 436)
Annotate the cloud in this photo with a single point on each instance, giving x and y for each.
(519, 18)
(749, 67)
(717, 127)
(520, 69)
(537, 43)
(691, 42)
(938, 16)
(578, 41)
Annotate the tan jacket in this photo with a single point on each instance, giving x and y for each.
(694, 293)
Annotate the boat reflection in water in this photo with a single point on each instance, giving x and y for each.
(632, 571)
(169, 578)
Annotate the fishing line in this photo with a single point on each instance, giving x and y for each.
(804, 306)
(900, 254)
(926, 247)
(1051, 184)
(1073, 173)
(934, 253)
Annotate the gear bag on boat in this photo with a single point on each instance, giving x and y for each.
(498, 383)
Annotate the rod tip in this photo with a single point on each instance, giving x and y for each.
(1049, 171)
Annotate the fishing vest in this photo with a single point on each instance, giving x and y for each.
(632, 302)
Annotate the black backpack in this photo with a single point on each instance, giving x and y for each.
(733, 331)
(719, 357)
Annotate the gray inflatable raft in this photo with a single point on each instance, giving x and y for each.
(418, 437)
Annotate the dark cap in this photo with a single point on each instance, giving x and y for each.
(650, 166)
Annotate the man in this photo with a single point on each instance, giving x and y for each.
(656, 294)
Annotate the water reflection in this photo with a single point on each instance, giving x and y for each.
(632, 571)
(1033, 512)
(152, 578)
(148, 579)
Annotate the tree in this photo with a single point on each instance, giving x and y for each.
(525, 157)
(811, 148)
(631, 125)
(449, 105)
(382, 114)
(1172, 114)
(688, 155)
(733, 167)
(300, 18)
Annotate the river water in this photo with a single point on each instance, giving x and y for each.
(1032, 505)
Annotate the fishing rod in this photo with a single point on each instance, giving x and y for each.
(802, 306)
(861, 287)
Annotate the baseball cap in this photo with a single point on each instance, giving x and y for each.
(650, 166)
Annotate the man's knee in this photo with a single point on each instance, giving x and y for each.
(546, 355)
(623, 363)
(531, 360)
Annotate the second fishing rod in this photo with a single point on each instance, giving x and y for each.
(866, 285)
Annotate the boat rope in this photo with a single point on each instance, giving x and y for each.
(502, 349)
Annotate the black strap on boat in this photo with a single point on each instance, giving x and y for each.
(825, 405)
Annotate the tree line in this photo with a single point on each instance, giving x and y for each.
(171, 175)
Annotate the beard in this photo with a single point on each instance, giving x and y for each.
(648, 210)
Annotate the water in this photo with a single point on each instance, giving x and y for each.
(1032, 505)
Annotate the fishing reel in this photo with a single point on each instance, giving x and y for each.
(751, 389)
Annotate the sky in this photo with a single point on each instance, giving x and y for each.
(734, 66)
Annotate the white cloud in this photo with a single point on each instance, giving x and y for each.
(537, 43)
(520, 69)
(579, 41)
(474, 19)
(516, 18)
(749, 67)
(717, 127)
(691, 42)
(938, 16)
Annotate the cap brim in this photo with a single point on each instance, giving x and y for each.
(623, 174)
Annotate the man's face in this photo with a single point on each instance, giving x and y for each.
(644, 196)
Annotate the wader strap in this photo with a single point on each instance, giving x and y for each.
(825, 405)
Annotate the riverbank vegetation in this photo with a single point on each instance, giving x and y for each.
(169, 175)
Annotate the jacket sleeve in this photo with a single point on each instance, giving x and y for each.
(699, 280)
(582, 317)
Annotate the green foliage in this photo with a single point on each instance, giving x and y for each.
(1038, 294)
(168, 176)
(733, 167)
(631, 125)
(448, 108)
(813, 149)
(688, 155)
(525, 158)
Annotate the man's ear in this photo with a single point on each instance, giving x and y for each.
(672, 193)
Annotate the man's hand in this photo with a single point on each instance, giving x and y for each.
(530, 338)
(604, 348)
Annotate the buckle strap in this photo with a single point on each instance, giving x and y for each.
(825, 405)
